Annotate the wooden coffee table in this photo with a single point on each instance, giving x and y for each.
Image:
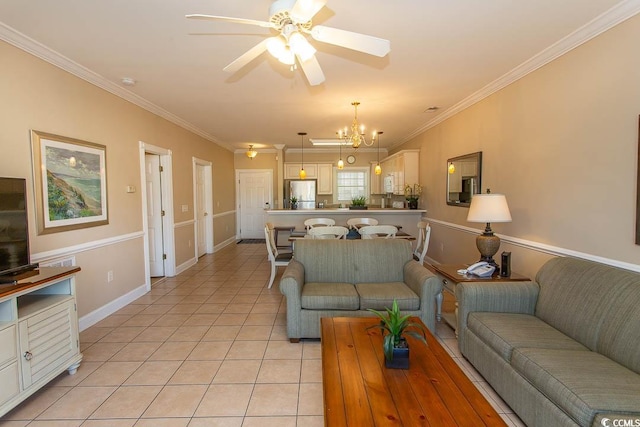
(360, 391)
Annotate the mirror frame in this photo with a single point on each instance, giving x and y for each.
(477, 156)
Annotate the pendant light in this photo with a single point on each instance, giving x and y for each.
(340, 162)
(378, 169)
(251, 153)
(302, 173)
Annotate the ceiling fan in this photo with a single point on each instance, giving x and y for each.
(292, 20)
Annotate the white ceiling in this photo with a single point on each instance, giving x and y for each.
(443, 53)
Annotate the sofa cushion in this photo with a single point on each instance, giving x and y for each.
(581, 383)
(381, 295)
(329, 296)
(380, 260)
(577, 296)
(619, 337)
(505, 331)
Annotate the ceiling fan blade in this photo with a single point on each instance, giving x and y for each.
(350, 40)
(304, 10)
(247, 57)
(264, 24)
(312, 70)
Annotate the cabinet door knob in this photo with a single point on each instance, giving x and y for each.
(28, 355)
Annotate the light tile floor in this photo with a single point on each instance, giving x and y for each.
(205, 348)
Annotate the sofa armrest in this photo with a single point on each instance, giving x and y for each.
(291, 284)
(498, 297)
(426, 285)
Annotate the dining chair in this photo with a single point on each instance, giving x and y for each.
(329, 232)
(275, 258)
(424, 234)
(378, 231)
(360, 222)
(312, 222)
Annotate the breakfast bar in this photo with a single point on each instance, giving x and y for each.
(406, 218)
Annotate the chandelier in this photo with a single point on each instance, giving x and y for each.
(356, 138)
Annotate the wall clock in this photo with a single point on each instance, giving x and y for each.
(351, 159)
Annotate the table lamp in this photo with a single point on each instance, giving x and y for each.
(488, 208)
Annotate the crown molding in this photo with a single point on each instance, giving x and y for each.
(607, 20)
(37, 49)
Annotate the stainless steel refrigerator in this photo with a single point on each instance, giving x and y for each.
(303, 190)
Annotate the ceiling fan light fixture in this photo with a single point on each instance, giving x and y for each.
(287, 57)
(300, 46)
(276, 46)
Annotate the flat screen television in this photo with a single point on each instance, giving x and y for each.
(14, 230)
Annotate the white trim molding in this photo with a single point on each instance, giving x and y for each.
(221, 214)
(609, 19)
(37, 49)
(83, 247)
(100, 313)
(222, 245)
(542, 247)
(184, 223)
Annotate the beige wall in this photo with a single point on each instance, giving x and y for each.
(37, 95)
(561, 143)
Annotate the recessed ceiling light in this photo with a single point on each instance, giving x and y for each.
(431, 109)
(128, 81)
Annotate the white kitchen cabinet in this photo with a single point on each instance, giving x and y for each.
(325, 178)
(38, 333)
(404, 167)
(292, 170)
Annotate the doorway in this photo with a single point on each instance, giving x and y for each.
(254, 193)
(156, 184)
(203, 206)
(155, 242)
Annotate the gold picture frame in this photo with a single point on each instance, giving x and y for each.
(70, 180)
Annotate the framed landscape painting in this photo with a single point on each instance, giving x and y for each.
(70, 183)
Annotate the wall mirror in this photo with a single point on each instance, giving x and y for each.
(464, 178)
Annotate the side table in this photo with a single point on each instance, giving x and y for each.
(450, 277)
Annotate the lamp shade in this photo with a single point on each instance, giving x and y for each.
(489, 208)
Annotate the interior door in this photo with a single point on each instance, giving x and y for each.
(201, 210)
(154, 215)
(255, 190)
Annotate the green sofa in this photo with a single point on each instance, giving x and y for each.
(563, 350)
(331, 278)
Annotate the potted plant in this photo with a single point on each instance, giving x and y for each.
(293, 202)
(394, 327)
(358, 203)
(412, 194)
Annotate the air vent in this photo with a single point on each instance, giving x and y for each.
(60, 262)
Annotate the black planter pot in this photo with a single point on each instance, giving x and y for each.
(400, 359)
(357, 208)
(413, 204)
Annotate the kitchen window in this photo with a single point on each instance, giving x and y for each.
(351, 183)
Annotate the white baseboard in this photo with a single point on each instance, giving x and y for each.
(226, 243)
(186, 265)
(98, 314)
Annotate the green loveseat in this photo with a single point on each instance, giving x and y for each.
(563, 350)
(331, 278)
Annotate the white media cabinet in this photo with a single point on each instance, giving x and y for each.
(38, 332)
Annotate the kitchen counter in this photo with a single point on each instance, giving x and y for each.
(406, 218)
(354, 212)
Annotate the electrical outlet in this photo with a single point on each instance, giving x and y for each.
(110, 276)
(185, 208)
(442, 247)
(189, 243)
